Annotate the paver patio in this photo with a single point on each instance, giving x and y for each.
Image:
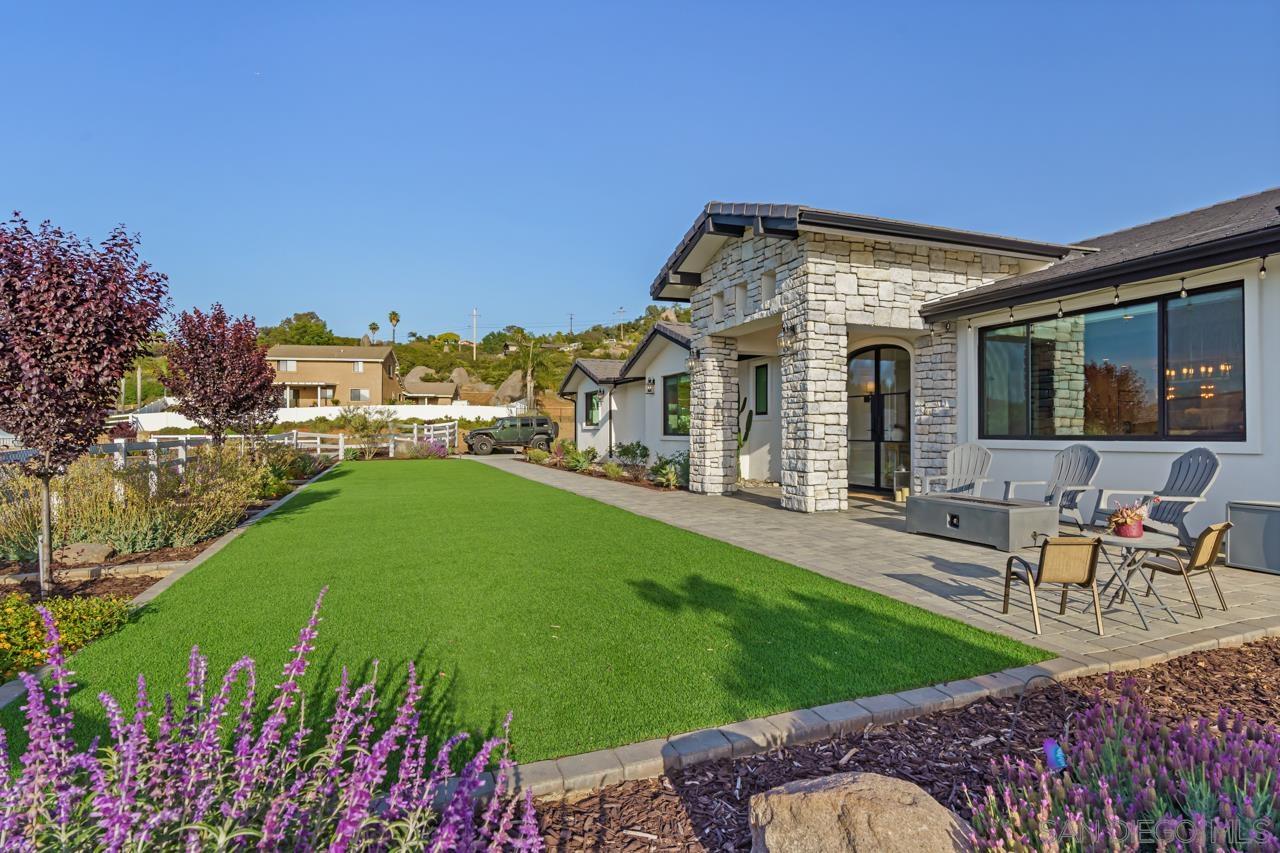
(868, 546)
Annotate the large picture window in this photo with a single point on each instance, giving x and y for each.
(591, 408)
(675, 404)
(1165, 368)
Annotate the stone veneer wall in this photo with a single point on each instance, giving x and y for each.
(713, 421)
(826, 283)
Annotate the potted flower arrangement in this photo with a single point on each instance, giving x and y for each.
(1126, 520)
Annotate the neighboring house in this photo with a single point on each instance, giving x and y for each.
(644, 398)
(418, 389)
(335, 375)
(886, 343)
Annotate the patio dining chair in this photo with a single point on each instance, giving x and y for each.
(967, 467)
(1190, 477)
(1067, 560)
(1074, 470)
(1203, 554)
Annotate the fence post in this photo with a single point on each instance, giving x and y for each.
(415, 433)
(119, 459)
(342, 446)
(182, 456)
(391, 444)
(293, 439)
(153, 465)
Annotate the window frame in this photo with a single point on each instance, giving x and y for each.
(760, 407)
(666, 417)
(357, 367)
(1162, 435)
(587, 398)
(367, 398)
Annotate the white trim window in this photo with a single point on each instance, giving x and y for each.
(359, 395)
(287, 365)
(357, 367)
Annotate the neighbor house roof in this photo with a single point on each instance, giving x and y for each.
(1222, 233)
(680, 334)
(602, 371)
(720, 221)
(329, 353)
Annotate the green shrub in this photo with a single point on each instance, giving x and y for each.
(614, 471)
(350, 454)
(634, 453)
(667, 477)
(537, 456)
(81, 620)
(579, 460)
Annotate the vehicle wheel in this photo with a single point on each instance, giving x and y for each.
(539, 442)
(482, 446)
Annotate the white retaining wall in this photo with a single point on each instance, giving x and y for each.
(172, 420)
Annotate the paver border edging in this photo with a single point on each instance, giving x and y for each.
(555, 778)
(13, 690)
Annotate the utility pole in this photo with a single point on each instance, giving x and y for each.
(570, 323)
(622, 313)
(474, 316)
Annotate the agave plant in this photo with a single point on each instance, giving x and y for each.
(201, 774)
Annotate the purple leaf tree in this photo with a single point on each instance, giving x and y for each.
(220, 373)
(73, 318)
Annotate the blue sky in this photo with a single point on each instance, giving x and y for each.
(540, 158)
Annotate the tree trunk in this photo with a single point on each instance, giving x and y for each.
(46, 537)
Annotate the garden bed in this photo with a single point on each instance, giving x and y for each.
(598, 474)
(704, 808)
(128, 586)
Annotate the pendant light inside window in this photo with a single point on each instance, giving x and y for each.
(1262, 270)
(1010, 313)
(1116, 300)
(1182, 293)
(1059, 309)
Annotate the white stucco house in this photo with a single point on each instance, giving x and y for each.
(644, 397)
(882, 344)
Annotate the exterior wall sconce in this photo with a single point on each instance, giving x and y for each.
(691, 363)
(787, 338)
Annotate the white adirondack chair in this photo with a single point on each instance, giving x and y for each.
(1190, 477)
(1074, 470)
(967, 467)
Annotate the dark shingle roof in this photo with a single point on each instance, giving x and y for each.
(1221, 233)
(602, 371)
(347, 353)
(719, 219)
(680, 334)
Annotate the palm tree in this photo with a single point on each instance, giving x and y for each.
(393, 318)
(373, 331)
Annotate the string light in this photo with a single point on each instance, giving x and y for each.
(1182, 293)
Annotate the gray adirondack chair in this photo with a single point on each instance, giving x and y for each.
(1074, 470)
(967, 467)
(1190, 478)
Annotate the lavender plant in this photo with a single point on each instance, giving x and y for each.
(202, 774)
(1131, 782)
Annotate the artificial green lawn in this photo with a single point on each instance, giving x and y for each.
(595, 626)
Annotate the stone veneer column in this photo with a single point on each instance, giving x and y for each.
(713, 427)
(815, 398)
(933, 400)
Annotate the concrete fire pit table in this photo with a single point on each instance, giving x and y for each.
(1006, 525)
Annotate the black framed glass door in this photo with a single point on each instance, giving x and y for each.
(879, 415)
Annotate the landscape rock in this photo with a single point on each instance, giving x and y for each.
(511, 389)
(861, 812)
(83, 554)
(460, 377)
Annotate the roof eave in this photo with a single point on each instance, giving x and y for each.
(1228, 250)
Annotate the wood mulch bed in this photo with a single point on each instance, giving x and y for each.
(159, 555)
(704, 808)
(126, 585)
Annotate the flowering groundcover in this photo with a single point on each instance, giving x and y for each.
(200, 774)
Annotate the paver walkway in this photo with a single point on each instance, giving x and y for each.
(869, 547)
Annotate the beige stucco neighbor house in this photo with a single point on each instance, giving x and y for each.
(886, 343)
(418, 388)
(335, 375)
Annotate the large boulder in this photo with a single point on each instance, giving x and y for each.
(511, 389)
(83, 554)
(460, 377)
(862, 812)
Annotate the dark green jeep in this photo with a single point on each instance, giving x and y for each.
(536, 432)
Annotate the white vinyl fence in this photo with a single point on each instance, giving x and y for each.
(171, 451)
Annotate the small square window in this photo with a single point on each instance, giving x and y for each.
(359, 395)
(287, 365)
(357, 367)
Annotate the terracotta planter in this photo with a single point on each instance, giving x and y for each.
(1132, 530)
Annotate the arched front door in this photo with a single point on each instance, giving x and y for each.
(879, 415)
